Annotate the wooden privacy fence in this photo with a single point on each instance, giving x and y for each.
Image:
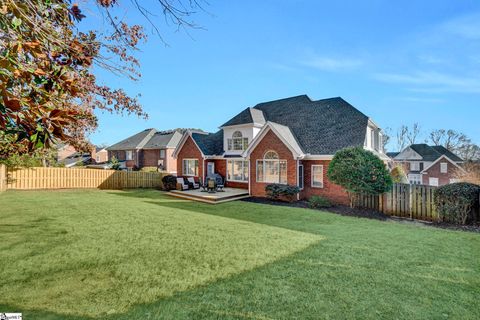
(3, 178)
(404, 200)
(73, 178)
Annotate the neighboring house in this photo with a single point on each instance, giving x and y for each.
(148, 148)
(100, 155)
(429, 165)
(64, 151)
(288, 141)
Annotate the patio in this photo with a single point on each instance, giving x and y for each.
(229, 194)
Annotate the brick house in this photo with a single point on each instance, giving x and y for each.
(148, 148)
(288, 141)
(428, 165)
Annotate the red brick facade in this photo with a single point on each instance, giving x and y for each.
(189, 150)
(270, 142)
(435, 172)
(331, 191)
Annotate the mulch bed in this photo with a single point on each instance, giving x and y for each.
(364, 213)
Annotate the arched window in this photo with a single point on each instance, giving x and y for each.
(237, 142)
(271, 169)
(270, 155)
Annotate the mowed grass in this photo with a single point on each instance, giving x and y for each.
(143, 255)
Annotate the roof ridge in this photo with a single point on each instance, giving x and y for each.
(147, 138)
(288, 98)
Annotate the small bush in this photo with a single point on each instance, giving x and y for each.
(282, 192)
(457, 202)
(398, 175)
(115, 163)
(316, 202)
(169, 182)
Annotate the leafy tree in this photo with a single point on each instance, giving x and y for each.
(359, 171)
(398, 175)
(49, 91)
(115, 163)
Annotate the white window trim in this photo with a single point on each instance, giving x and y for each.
(245, 163)
(127, 153)
(311, 178)
(263, 168)
(164, 153)
(183, 166)
(433, 179)
(303, 176)
(442, 166)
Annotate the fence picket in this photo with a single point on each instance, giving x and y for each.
(65, 178)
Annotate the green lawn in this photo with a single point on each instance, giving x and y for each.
(144, 255)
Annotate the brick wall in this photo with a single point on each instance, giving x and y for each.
(170, 162)
(189, 150)
(65, 152)
(331, 191)
(271, 142)
(151, 157)
(434, 172)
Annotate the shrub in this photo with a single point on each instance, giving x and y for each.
(283, 192)
(316, 202)
(115, 164)
(359, 171)
(456, 202)
(169, 182)
(398, 175)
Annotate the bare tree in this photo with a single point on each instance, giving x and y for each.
(413, 133)
(386, 137)
(402, 133)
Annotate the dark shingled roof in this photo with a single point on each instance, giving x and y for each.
(320, 127)
(432, 153)
(163, 139)
(249, 115)
(393, 154)
(210, 143)
(134, 142)
(448, 153)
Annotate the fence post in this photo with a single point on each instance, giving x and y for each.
(3, 177)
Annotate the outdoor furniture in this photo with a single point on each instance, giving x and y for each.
(219, 183)
(181, 185)
(193, 183)
(211, 185)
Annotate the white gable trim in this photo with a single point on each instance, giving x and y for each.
(446, 158)
(407, 149)
(268, 127)
(184, 139)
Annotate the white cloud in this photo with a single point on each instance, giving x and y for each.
(331, 64)
(467, 26)
(433, 82)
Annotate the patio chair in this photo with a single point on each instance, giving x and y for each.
(193, 183)
(181, 185)
(219, 183)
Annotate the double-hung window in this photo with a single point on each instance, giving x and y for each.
(317, 176)
(162, 153)
(443, 167)
(271, 169)
(190, 167)
(237, 170)
(237, 142)
(129, 155)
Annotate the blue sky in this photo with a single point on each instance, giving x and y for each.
(398, 62)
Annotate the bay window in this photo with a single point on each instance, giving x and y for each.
(271, 169)
(190, 167)
(237, 170)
